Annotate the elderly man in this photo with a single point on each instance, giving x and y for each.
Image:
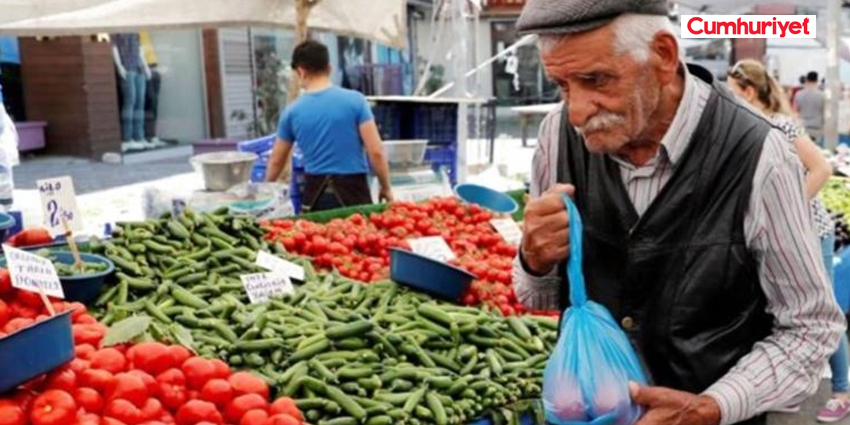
(697, 233)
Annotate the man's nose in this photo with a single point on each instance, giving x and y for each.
(581, 107)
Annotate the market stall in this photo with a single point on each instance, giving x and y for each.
(188, 303)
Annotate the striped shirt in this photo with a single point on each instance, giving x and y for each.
(783, 369)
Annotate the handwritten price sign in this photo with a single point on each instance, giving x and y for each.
(433, 247)
(58, 203)
(263, 286)
(32, 273)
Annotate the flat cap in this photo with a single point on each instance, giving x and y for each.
(572, 16)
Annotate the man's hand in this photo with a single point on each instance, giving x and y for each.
(670, 407)
(546, 239)
(386, 194)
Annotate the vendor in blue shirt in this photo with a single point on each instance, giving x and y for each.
(336, 133)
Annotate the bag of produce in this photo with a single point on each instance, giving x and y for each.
(586, 378)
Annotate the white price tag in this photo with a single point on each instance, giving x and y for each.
(31, 272)
(58, 202)
(508, 229)
(263, 286)
(279, 265)
(433, 247)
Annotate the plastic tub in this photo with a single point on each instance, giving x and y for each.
(427, 275)
(7, 222)
(34, 350)
(487, 198)
(223, 170)
(82, 288)
(87, 287)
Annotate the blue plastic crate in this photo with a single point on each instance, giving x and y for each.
(436, 123)
(258, 146)
(258, 173)
(443, 158)
(388, 118)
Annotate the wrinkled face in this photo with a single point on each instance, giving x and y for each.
(611, 97)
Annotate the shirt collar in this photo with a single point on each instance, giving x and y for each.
(675, 141)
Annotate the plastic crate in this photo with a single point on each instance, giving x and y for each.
(435, 122)
(258, 146)
(388, 118)
(445, 158)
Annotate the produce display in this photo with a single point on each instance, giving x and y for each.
(337, 349)
(147, 383)
(836, 197)
(358, 246)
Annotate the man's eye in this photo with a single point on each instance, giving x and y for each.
(595, 80)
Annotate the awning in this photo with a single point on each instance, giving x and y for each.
(383, 21)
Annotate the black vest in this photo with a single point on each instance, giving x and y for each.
(682, 272)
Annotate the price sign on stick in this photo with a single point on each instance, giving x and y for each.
(433, 247)
(279, 265)
(263, 286)
(508, 229)
(58, 203)
(30, 272)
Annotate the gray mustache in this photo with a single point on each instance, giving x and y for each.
(602, 121)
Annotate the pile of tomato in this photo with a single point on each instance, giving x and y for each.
(359, 247)
(148, 383)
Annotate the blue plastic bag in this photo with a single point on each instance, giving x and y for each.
(586, 378)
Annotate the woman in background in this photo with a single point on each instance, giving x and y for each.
(750, 80)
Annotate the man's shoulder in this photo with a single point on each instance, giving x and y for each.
(348, 94)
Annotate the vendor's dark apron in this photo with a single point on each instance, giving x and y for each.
(322, 192)
(680, 278)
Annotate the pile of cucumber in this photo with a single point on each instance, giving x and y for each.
(348, 353)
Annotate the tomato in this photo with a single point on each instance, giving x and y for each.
(10, 414)
(87, 419)
(62, 379)
(152, 409)
(110, 421)
(246, 383)
(198, 371)
(79, 366)
(5, 313)
(5, 282)
(254, 417)
(109, 359)
(84, 351)
(149, 381)
(53, 407)
(124, 411)
(222, 370)
(151, 357)
(171, 388)
(286, 405)
(17, 324)
(198, 411)
(128, 387)
(217, 391)
(239, 405)
(179, 354)
(282, 419)
(90, 334)
(29, 299)
(89, 400)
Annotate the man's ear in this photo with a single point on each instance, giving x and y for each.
(665, 48)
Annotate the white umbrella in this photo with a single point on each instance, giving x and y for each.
(383, 21)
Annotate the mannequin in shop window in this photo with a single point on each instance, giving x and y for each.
(152, 89)
(134, 73)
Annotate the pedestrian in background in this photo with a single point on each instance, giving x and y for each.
(809, 103)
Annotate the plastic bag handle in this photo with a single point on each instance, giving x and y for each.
(578, 292)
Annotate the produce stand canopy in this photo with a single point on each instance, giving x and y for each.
(382, 21)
